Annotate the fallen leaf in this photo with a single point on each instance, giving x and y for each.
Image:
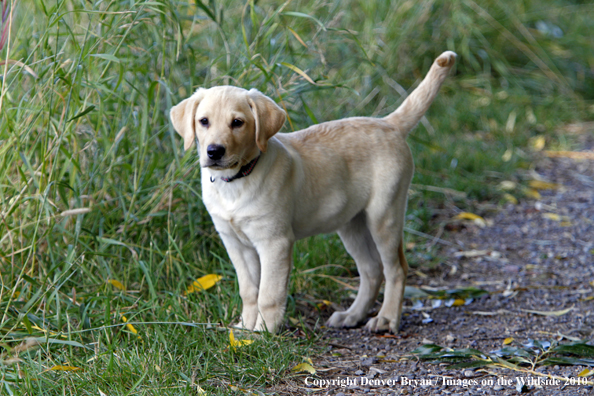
(508, 341)
(542, 185)
(471, 253)
(510, 198)
(304, 367)
(204, 283)
(507, 185)
(587, 155)
(117, 284)
(585, 373)
(537, 143)
(548, 313)
(458, 302)
(532, 193)
(552, 216)
(478, 220)
(63, 368)
(507, 155)
(237, 343)
(129, 326)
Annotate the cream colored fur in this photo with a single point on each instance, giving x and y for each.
(351, 176)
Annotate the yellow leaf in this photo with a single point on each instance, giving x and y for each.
(510, 198)
(116, 284)
(471, 216)
(204, 283)
(532, 193)
(63, 368)
(537, 142)
(304, 367)
(507, 155)
(324, 303)
(508, 341)
(584, 373)
(129, 326)
(542, 185)
(459, 302)
(552, 216)
(237, 343)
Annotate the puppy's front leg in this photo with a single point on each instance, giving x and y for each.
(276, 263)
(247, 266)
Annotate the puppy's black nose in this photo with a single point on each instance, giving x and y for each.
(215, 151)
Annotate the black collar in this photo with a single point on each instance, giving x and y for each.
(243, 171)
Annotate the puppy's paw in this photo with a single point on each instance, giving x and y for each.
(447, 59)
(380, 324)
(343, 319)
(239, 326)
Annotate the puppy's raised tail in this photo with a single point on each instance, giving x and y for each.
(410, 112)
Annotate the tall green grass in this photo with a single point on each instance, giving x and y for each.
(86, 89)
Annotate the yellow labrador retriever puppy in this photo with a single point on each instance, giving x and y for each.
(265, 190)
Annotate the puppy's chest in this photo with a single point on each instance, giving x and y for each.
(235, 216)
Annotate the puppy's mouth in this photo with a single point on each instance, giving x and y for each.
(220, 165)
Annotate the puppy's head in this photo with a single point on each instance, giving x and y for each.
(231, 124)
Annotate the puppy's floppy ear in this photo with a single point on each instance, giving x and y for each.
(182, 117)
(268, 115)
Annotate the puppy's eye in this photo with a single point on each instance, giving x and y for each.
(204, 121)
(236, 123)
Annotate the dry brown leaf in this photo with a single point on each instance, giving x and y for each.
(587, 155)
(543, 185)
(471, 253)
(548, 313)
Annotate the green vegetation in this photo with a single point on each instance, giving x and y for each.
(86, 89)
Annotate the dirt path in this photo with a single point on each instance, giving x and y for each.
(537, 255)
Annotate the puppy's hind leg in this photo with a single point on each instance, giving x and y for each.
(358, 242)
(386, 226)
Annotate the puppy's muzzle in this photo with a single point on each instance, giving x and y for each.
(215, 152)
